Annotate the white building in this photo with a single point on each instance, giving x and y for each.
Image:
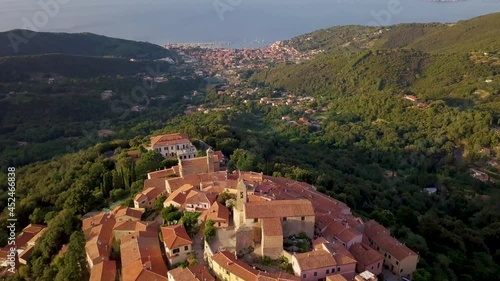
(174, 146)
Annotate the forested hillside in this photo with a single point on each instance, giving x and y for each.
(84, 44)
(477, 34)
(400, 107)
(24, 68)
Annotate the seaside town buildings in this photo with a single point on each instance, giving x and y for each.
(268, 218)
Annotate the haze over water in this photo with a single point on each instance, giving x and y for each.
(243, 22)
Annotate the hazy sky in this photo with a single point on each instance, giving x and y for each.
(162, 21)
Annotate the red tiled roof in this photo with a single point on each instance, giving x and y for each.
(103, 271)
(315, 260)
(121, 211)
(175, 236)
(381, 236)
(162, 174)
(364, 254)
(335, 277)
(278, 208)
(170, 139)
(154, 182)
(272, 227)
(227, 260)
(217, 212)
(193, 273)
(141, 257)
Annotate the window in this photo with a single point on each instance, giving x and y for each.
(327, 271)
(255, 220)
(378, 265)
(338, 269)
(401, 270)
(175, 251)
(303, 218)
(186, 248)
(397, 263)
(389, 256)
(304, 275)
(284, 218)
(378, 248)
(385, 255)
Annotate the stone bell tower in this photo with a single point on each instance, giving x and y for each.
(241, 199)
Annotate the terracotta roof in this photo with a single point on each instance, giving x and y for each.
(341, 255)
(373, 228)
(141, 257)
(121, 211)
(227, 260)
(217, 212)
(30, 234)
(219, 155)
(195, 179)
(136, 226)
(154, 182)
(280, 276)
(315, 260)
(197, 197)
(381, 236)
(149, 193)
(175, 236)
(170, 139)
(92, 221)
(341, 231)
(272, 227)
(99, 240)
(364, 254)
(103, 271)
(140, 197)
(278, 208)
(335, 277)
(162, 174)
(251, 176)
(193, 273)
(179, 196)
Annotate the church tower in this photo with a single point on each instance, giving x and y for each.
(241, 199)
(210, 160)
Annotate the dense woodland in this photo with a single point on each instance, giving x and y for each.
(25, 42)
(373, 149)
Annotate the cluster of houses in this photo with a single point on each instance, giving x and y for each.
(266, 217)
(24, 245)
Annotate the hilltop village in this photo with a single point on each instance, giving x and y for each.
(218, 225)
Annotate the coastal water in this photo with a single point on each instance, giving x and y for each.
(245, 23)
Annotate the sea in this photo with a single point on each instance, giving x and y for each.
(237, 23)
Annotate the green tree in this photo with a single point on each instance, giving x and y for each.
(171, 214)
(209, 231)
(150, 161)
(421, 275)
(243, 160)
(107, 184)
(74, 265)
(158, 205)
(190, 221)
